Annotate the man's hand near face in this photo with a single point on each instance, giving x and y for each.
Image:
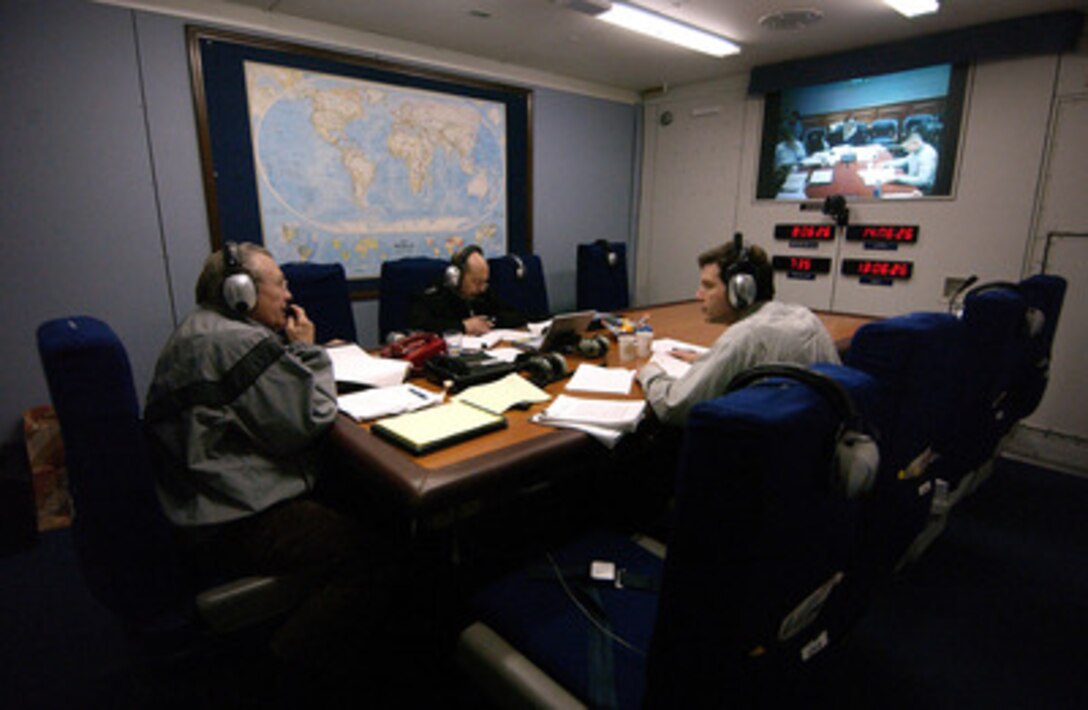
(299, 328)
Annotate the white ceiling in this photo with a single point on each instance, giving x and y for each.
(545, 35)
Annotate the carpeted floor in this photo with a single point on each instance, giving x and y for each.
(994, 615)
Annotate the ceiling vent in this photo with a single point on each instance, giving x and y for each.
(791, 19)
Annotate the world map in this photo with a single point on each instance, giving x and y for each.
(358, 172)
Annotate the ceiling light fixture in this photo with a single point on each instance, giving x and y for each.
(660, 27)
(913, 8)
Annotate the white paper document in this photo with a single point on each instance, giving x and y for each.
(606, 436)
(664, 345)
(622, 415)
(505, 354)
(604, 419)
(384, 401)
(350, 363)
(594, 378)
(673, 366)
(481, 342)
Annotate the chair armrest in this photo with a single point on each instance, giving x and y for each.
(509, 678)
(247, 601)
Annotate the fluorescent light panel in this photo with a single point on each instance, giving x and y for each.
(913, 8)
(649, 23)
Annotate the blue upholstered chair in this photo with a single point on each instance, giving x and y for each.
(996, 321)
(322, 289)
(123, 541)
(401, 281)
(752, 597)
(920, 362)
(519, 282)
(1010, 329)
(602, 276)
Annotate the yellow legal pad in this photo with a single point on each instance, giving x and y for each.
(429, 429)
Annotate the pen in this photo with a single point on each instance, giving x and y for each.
(421, 395)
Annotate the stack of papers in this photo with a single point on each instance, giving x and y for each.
(384, 401)
(500, 395)
(350, 363)
(594, 378)
(605, 420)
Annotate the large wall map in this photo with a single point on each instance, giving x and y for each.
(357, 172)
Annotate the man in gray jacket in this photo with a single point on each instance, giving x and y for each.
(236, 413)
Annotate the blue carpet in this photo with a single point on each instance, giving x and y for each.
(58, 646)
(993, 616)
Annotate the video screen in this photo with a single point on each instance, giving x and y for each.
(887, 136)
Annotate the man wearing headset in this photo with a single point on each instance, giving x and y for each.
(236, 412)
(462, 301)
(736, 289)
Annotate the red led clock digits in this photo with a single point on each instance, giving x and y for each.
(810, 231)
(800, 264)
(878, 269)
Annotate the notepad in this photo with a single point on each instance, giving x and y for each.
(500, 395)
(430, 429)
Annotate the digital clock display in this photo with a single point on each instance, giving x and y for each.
(802, 264)
(890, 233)
(804, 232)
(877, 269)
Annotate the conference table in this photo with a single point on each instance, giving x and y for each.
(853, 171)
(436, 489)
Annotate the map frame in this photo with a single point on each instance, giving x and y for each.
(217, 59)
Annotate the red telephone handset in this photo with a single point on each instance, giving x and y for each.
(416, 348)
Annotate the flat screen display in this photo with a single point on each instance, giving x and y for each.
(886, 136)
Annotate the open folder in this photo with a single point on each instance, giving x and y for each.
(429, 429)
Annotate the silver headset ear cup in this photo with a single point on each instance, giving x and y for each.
(240, 292)
(594, 346)
(1035, 319)
(857, 460)
(742, 290)
(558, 364)
(452, 276)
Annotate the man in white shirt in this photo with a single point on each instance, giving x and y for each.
(736, 289)
(920, 164)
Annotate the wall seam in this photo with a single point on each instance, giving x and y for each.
(155, 187)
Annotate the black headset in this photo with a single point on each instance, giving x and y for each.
(739, 276)
(610, 256)
(455, 272)
(593, 346)
(239, 288)
(543, 368)
(856, 458)
(1034, 318)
